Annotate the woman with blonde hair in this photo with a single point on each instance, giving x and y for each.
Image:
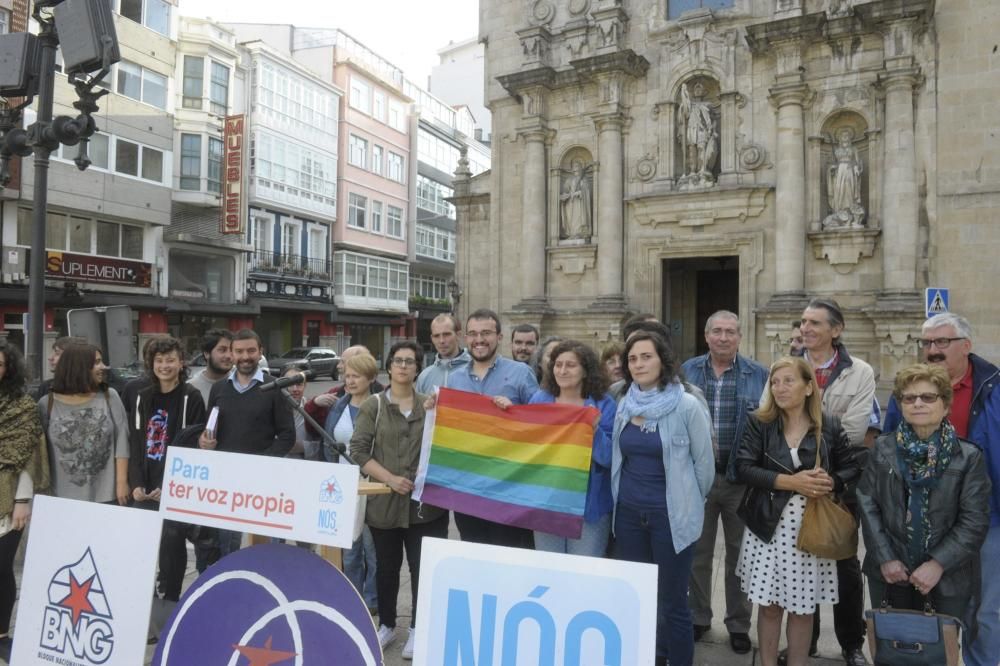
(776, 460)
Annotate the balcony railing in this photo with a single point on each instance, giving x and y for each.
(290, 265)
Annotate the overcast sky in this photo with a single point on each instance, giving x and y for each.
(407, 33)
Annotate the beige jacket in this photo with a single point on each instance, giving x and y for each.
(850, 397)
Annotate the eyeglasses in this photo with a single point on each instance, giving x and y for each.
(926, 398)
(940, 343)
(403, 362)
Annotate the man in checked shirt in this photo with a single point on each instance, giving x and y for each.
(732, 385)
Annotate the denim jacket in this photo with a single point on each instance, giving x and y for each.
(688, 462)
(751, 378)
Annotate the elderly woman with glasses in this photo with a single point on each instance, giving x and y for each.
(924, 500)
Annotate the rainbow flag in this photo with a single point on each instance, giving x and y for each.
(527, 466)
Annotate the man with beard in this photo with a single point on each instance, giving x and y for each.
(508, 383)
(250, 421)
(216, 346)
(975, 413)
(523, 340)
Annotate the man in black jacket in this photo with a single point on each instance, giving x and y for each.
(250, 421)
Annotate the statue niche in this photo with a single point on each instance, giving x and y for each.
(698, 134)
(845, 180)
(576, 196)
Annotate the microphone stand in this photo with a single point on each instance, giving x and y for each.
(339, 449)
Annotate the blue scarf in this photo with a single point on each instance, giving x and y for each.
(650, 405)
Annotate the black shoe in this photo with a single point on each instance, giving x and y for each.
(700, 630)
(740, 643)
(783, 655)
(854, 657)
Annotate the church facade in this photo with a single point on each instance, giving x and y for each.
(683, 156)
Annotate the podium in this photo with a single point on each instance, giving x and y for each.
(332, 554)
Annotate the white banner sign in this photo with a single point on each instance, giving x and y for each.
(88, 582)
(532, 608)
(302, 500)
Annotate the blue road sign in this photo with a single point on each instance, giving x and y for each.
(935, 301)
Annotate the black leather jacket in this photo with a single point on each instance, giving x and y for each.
(763, 455)
(959, 515)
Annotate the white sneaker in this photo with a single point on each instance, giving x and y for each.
(386, 635)
(408, 648)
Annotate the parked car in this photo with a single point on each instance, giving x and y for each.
(321, 360)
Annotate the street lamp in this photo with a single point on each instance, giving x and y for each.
(28, 65)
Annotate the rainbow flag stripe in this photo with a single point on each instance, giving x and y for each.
(527, 466)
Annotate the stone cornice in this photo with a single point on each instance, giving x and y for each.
(885, 11)
(762, 37)
(626, 62)
(519, 81)
(697, 208)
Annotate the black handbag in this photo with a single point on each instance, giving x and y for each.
(912, 638)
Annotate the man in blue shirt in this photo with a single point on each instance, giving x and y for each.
(509, 383)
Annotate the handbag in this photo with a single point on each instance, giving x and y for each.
(828, 528)
(359, 514)
(912, 638)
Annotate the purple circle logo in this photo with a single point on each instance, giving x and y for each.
(270, 605)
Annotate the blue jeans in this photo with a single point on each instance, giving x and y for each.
(985, 650)
(644, 536)
(359, 567)
(229, 541)
(593, 541)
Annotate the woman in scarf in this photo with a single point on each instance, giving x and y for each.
(662, 467)
(24, 469)
(924, 501)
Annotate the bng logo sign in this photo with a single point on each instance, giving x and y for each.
(77, 620)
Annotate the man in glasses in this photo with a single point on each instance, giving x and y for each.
(946, 340)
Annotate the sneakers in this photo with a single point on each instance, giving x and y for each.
(386, 635)
(408, 648)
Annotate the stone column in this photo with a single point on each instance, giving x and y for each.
(610, 218)
(533, 239)
(900, 204)
(790, 195)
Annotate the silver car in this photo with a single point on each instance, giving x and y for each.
(321, 360)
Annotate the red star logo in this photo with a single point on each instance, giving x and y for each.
(78, 601)
(331, 487)
(264, 656)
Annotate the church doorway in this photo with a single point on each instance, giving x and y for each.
(694, 288)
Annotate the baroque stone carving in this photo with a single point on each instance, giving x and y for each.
(578, 7)
(699, 137)
(576, 201)
(645, 168)
(835, 8)
(542, 12)
(843, 182)
(752, 157)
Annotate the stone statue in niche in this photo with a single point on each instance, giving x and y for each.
(576, 202)
(699, 138)
(843, 184)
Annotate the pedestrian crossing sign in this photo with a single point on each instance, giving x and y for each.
(935, 301)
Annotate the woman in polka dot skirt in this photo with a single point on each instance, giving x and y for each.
(776, 460)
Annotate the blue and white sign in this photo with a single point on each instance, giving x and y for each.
(533, 608)
(86, 589)
(304, 500)
(935, 301)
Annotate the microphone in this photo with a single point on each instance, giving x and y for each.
(285, 382)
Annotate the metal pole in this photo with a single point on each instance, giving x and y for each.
(42, 144)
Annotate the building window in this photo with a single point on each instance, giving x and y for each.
(394, 221)
(677, 7)
(133, 159)
(429, 286)
(127, 157)
(435, 243)
(215, 165)
(361, 96)
(357, 151)
(437, 152)
(379, 106)
(397, 120)
(261, 234)
(360, 275)
(288, 172)
(119, 240)
(84, 235)
(97, 151)
(431, 196)
(356, 208)
(219, 91)
(289, 241)
(154, 14)
(296, 103)
(4, 21)
(190, 161)
(376, 217)
(194, 82)
(395, 167)
(378, 157)
(142, 84)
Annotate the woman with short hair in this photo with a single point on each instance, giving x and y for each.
(87, 430)
(924, 502)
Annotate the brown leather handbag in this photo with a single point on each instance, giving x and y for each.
(828, 528)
